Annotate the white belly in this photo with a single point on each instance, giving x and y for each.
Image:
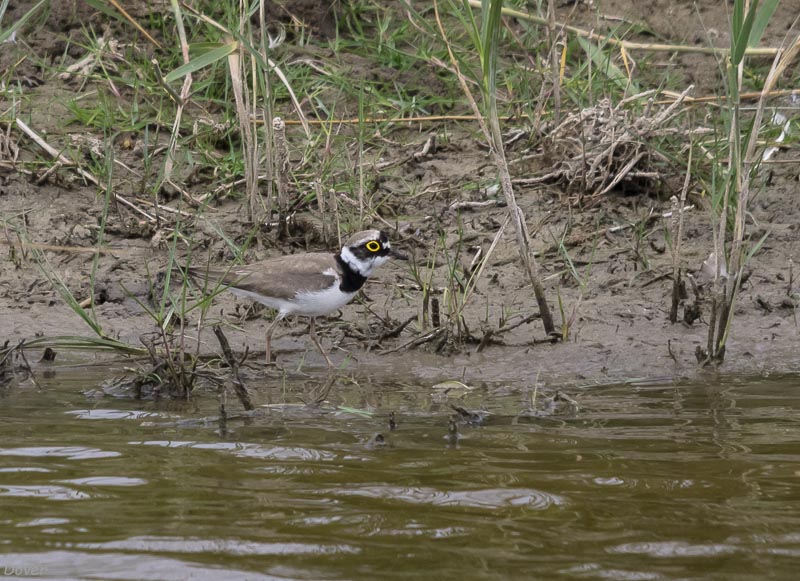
(309, 304)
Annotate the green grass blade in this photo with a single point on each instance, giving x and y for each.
(84, 343)
(742, 35)
(5, 34)
(490, 34)
(568, 260)
(355, 411)
(172, 263)
(738, 19)
(470, 25)
(763, 17)
(203, 61)
(109, 171)
(602, 60)
(67, 295)
(755, 248)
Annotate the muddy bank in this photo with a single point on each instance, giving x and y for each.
(619, 330)
(605, 259)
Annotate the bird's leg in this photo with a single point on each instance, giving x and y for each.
(313, 334)
(268, 341)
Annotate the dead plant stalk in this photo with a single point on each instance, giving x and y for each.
(750, 160)
(281, 172)
(241, 96)
(741, 165)
(677, 238)
(494, 137)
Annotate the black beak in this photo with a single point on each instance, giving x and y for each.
(398, 255)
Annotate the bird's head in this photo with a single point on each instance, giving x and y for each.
(365, 251)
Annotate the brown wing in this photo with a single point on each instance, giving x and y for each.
(280, 277)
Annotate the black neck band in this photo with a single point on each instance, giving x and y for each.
(352, 280)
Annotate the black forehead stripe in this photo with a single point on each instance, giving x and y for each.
(383, 237)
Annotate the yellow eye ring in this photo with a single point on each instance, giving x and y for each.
(373, 246)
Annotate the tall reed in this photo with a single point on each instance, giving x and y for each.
(486, 41)
(732, 183)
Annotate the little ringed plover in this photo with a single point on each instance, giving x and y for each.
(311, 284)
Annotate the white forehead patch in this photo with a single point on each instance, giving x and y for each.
(366, 236)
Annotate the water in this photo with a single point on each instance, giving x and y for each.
(645, 482)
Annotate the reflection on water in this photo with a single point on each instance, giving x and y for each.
(646, 481)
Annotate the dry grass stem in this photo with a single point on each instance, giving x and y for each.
(484, 260)
(750, 159)
(555, 69)
(72, 249)
(322, 206)
(678, 289)
(461, 78)
(278, 72)
(333, 204)
(599, 147)
(9, 151)
(670, 97)
(183, 98)
(106, 47)
(301, 117)
(238, 385)
(241, 96)
(53, 152)
(281, 166)
(133, 21)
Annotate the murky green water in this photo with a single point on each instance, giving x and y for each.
(646, 482)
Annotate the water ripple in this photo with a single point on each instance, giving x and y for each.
(485, 498)
(43, 522)
(106, 481)
(69, 452)
(435, 533)
(111, 414)
(226, 546)
(82, 565)
(673, 549)
(15, 469)
(594, 571)
(247, 450)
(609, 481)
(49, 492)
